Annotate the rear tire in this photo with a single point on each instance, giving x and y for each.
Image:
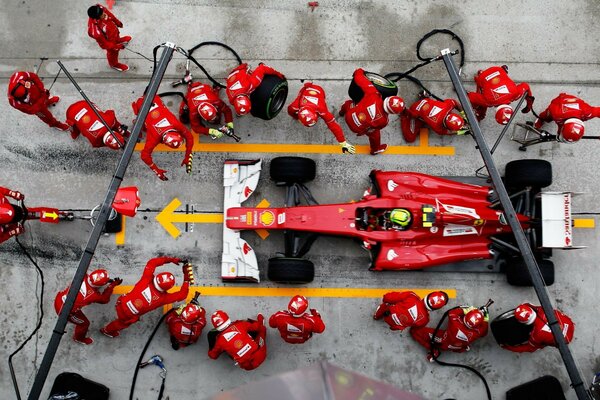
(522, 173)
(507, 330)
(269, 97)
(518, 275)
(386, 87)
(291, 270)
(291, 170)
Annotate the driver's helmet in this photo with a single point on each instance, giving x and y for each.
(400, 217)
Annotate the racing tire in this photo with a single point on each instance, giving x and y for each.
(507, 330)
(522, 173)
(292, 170)
(269, 97)
(385, 87)
(518, 275)
(291, 270)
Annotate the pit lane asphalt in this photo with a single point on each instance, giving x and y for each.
(536, 39)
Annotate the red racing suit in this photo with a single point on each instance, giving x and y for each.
(145, 297)
(183, 333)
(87, 295)
(243, 81)
(38, 98)
(566, 106)
(83, 121)
(159, 121)
(426, 111)
(456, 337)
(401, 310)
(199, 93)
(106, 32)
(494, 88)
(368, 116)
(541, 335)
(312, 96)
(297, 329)
(244, 341)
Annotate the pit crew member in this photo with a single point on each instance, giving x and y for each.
(295, 325)
(204, 107)
(242, 81)
(442, 117)
(103, 26)
(83, 121)
(185, 324)
(401, 310)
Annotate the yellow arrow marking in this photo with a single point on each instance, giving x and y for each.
(257, 291)
(584, 223)
(52, 215)
(168, 218)
(422, 149)
(263, 233)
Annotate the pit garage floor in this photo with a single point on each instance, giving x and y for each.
(550, 44)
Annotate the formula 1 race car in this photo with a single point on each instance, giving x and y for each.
(406, 220)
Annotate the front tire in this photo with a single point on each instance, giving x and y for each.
(290, 170)
(291, 270)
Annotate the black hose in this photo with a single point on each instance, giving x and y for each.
(433, 346)
(39, 324)
(137, 365)
(165, 94)
(446, 32)
(211, 43)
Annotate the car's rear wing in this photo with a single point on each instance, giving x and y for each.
(557, 223)
(238, 261)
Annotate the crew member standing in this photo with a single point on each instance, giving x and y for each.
(185, 325)
(27, 94)
(90, 292)
(163, 127)
(465, 326)
(439, 116)
(370, 115)
(540, 335)
(243, 341)
(496, 89)
(568, 112)
(148, 294)
(401, 310)
(310, 105)
(103, 26)
(84, 121)
(205, 106)
(295, 325)
(242, 81)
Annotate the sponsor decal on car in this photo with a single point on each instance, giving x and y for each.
(281, 218)
(459, 230)
(267, 218)
(391, 185)
(391, 254)
(460, 210)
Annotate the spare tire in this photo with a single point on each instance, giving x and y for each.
(386, 87)
(507, 330)
(269, 97)
(291, 170)
(522, 173)
(291, 270)
(518, 275)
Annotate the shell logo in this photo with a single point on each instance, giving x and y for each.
(362, 117)
(312, 92)
(238, 344)
(495, 81)
(267, 218)
(155, 114)
(425, 107)
(235, 170)
(86, 119)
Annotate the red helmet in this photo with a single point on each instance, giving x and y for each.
(525, 314)
(207, 111)
(393, 105)
(220, 320)
(474, 319)
(98, 278)
(436, 300)
(19, 91)
(307, 117)
(7, 213)
(191, 313)
(164, 281)
(571, 131)
(172, 139)
(297, 306)
(503, 114)
(242, 104)
(454, 122)
(110, 141)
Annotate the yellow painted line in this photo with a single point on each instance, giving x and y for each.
(584, 223)
(120, 236)
(257, 291)
(422, 149)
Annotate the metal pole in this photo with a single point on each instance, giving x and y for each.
(511, 216)
(87, 100)
(84, 262)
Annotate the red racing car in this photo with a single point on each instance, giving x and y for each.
(406, 220)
